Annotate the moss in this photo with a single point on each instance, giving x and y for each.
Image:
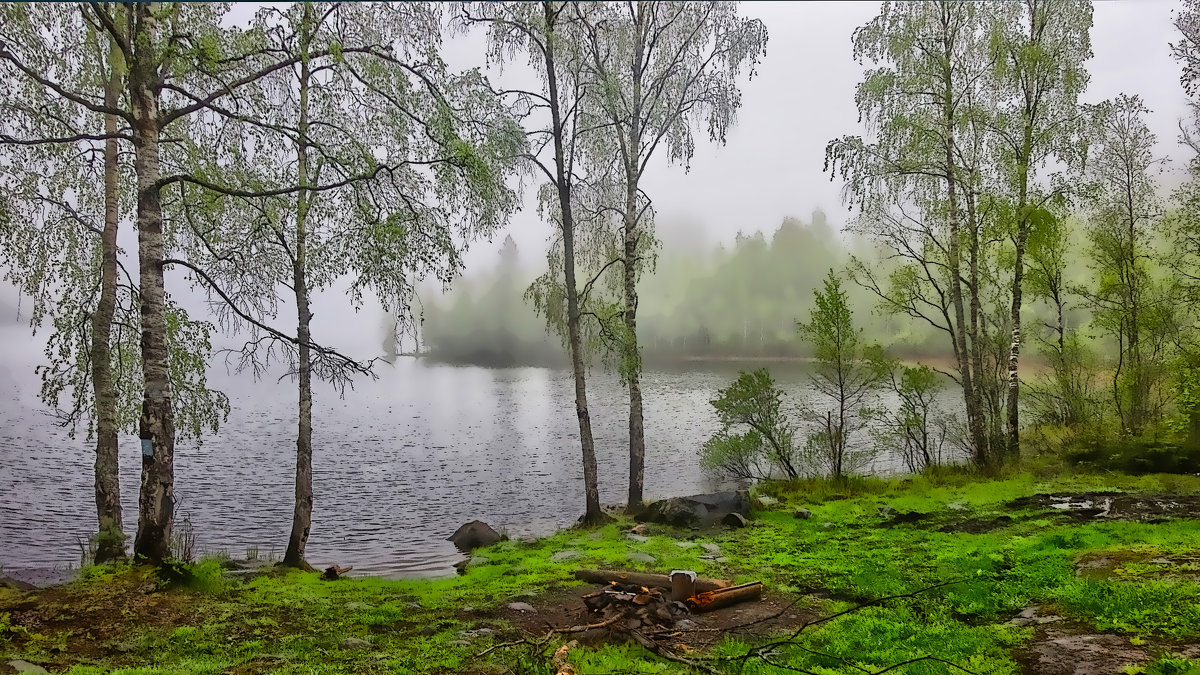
(1000, 559)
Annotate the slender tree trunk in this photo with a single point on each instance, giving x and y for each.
(302, 512)
(1014, 353)
(637, 438)
(976, 309)
(593, 513)
(156, 501)
(110, 544)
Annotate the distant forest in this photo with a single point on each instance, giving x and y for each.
(738, 299)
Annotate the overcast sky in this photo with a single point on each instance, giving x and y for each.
(801, 97)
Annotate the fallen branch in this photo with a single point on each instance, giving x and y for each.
(591, 626)
(643, 579)
(335, 572)
(669, 655)
(559, 660)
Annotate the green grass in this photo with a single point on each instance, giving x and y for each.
(847, 552)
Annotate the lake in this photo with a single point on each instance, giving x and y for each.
(399, 462)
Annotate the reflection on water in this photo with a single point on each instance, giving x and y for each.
(399, 463)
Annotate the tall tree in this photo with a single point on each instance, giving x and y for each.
(916, 180)
(368, 159)
(658, 71)
(1124, 299)
(64, 110)
(547, 34)
(1041, 74)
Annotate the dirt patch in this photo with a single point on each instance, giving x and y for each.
(86, 616)
(1135, 565)
(563, 607)
(1068, 649)
(1086, 506)
(978, 525)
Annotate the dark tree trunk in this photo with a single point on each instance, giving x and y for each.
(593, 513)
(637, 437)
(302, 512)
(110, 543)
(156, 501)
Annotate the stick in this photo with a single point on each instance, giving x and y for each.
(724, 597)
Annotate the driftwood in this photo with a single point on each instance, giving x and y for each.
(642, 579)
(335, 572)
(707, 601)
(559, 661)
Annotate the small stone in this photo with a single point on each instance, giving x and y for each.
(638, 538)
(722, 560)
(125, 647)
(633, 623)
(26, 667)
(827, 525)
(468, 609)
(354, 643)
(357, 607)
(638, 556)
(886, 510)
(565, 555)
(685, 544)
(710, 547)
(802, 513)
(734, 519)
(957, 506)
(1049, 618)
(686, 624)
(522, 607)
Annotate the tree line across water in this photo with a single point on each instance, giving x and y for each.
(997, 217)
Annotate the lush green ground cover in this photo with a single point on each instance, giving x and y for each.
(1003, 557)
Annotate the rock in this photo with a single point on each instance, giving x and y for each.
(638, 556)
(686, 624)
(722, 560)
(734, 520)
(696, 510)
(125, 647)
(685, 544)
(802, 513)
(522, 607)
(827, 525)
(475, 634)
(957, 506)
(565, 555)
(711, 548)
(26, 667)
(16, 585)
(473, 535)
(638, 538)
(886, 510)
(354, 643)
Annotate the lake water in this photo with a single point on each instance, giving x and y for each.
(399, 463)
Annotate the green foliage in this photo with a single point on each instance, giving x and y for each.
(752, 405)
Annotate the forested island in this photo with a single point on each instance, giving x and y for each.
(963, 435)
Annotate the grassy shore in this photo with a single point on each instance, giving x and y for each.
(1030, 583)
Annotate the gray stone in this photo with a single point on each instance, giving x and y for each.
(522, 607)
(886, 510)
(695, 510)
(638, 556)
(125, 647)
(802, 513)
(638, 538)
(734, 520)
(685, 544)
(473, 535)
(565, 555)
(475, 634)
(722, 560)
(766, 501)
(827, 525)
(710, 547)
(957, 506)
(354, 643)
(26, 667)
(686, 624)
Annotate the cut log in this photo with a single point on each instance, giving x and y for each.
(724, 597)
(642, 579)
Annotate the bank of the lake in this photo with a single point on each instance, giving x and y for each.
(1049, 575)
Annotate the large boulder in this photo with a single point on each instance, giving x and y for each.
(696, 510)
(473, 535)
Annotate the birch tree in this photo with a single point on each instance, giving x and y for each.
(376, 163)
(658, 72)
(547, 34)
(61, 120)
